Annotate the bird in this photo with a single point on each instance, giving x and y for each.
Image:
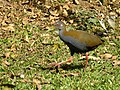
(78, 41)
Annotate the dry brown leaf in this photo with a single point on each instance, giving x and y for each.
(106, 56)
(52, 64)
(7, 55)
(71, 74)
(118, 11)
(111, 43)
(1, 19)
(111, 22)
(71, 21)
(91, 57)
(65, 13)
(113, 0)
(66, 7)
(10, 27)
(13, 49)
(47, 6)
(116, 62)
(3, 23)
(113, 14)
(54, 13)
(76, 2)
(1, 4)
(74, 74)
(37, 82)
(45, 35)
(101, 21)
(118, 37)
(26, 38)
(114, 57)
(45, 42)
(24, 80)
(6, 63)
(22, 75)
(53, 17)
(25, 20)
(60, 9)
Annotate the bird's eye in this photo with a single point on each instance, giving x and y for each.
(61, 25)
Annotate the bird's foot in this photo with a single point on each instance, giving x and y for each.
(60, 63)
(64, 62)
(54, 64)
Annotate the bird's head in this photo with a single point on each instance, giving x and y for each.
(60, 25)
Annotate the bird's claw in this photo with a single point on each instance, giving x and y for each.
(54, 64)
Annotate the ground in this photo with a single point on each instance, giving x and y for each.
(29, 43)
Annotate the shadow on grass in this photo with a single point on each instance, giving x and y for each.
(72, 66)
(65, 67)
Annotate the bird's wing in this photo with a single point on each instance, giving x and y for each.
(81, 40)
(75, 43)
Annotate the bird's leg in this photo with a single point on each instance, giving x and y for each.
(86, 63)
(60, 63)
(64, 62)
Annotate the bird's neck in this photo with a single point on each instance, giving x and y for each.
(61, 33)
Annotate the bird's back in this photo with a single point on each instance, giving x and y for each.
(81, 39)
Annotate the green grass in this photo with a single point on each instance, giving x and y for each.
(26, 52)
(31, 60)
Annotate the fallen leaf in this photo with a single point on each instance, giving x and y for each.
(65, 13)
(22, 75)
(118, 37)
(24, 80)
(47, 6)
(53, 17)
(37, 82)
(113, 0)
(71, 74)
(114, 57)
(71, 21)
(7, 55)
(91, 57)
(66, 7)
(112, 43)
(1, 4)
(118, 11)
(25, 20)
(6, 63)
(10, 27)
(76, 2)
(26, 38)
(54, 13)
(116, 62)
(106, 56)
(52, 64)
(102, 24)
(45, 42)
(111, 22)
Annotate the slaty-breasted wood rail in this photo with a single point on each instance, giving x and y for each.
(77, 41)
